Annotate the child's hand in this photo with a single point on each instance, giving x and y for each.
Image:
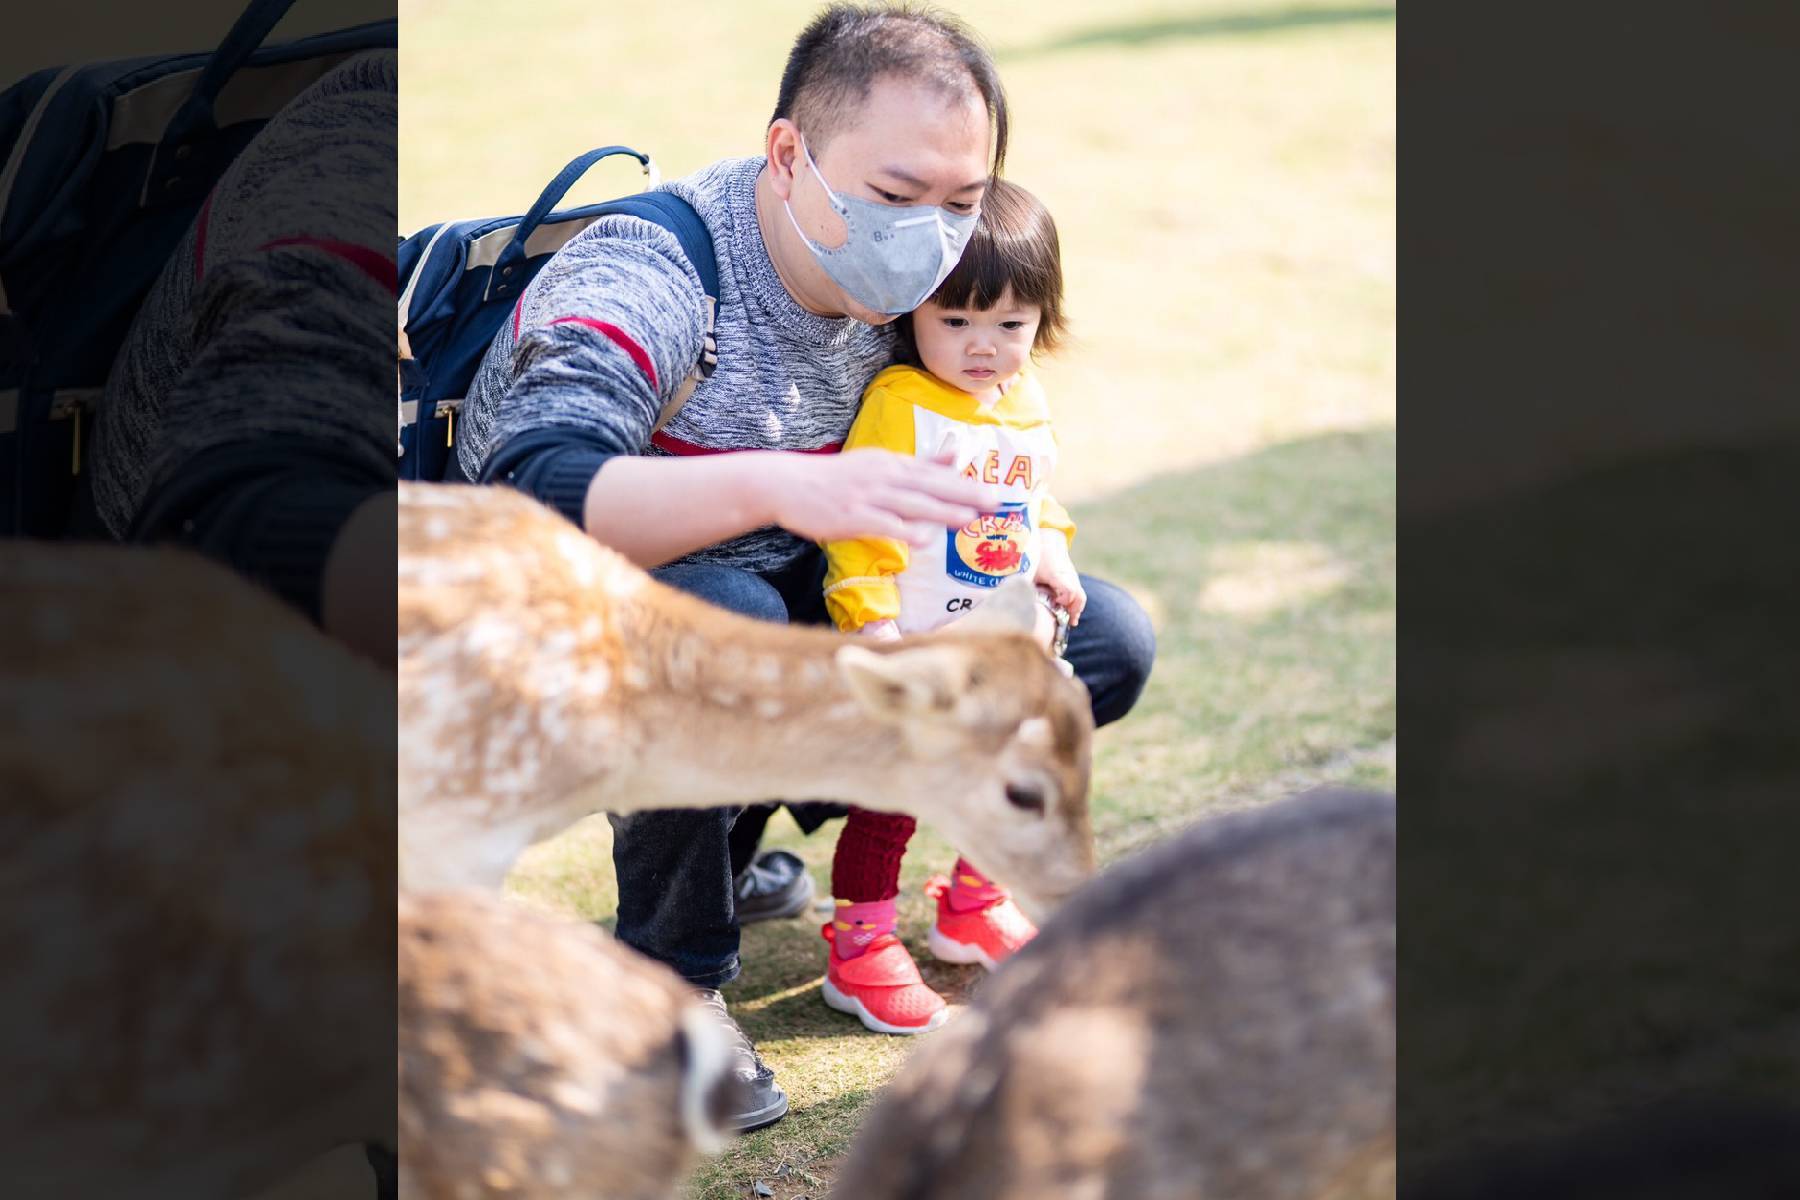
(1056, 572)
(886, 630)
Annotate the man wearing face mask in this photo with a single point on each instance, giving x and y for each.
(886, 129)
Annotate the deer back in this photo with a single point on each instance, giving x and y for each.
(1212, 1018)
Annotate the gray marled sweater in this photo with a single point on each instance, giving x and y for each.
(613, 323)
(249, 410)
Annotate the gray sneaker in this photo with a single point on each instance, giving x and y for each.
(773, 886)
(763, 1100)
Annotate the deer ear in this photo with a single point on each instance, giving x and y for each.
(1013, 608)
(903, 684)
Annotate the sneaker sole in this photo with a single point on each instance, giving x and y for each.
(963, 954)
(853, 1006)
(800, 903)
(762, 1118)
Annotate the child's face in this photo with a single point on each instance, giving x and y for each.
(977, 350)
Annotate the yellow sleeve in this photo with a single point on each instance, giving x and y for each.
(1054, 516)
(859, 574)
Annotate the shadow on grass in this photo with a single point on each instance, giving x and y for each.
(1616, 758)
(1212, 25)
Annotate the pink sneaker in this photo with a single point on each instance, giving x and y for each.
(882, 988)
(987, 935)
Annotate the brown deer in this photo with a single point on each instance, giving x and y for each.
(543, 677)
(1212, 1018)
(538, 1057)
(196, 862)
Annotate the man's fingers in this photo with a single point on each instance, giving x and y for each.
(917, 506)
(923, 537)
(881, 522)
(946, 485)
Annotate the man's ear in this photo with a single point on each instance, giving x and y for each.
(904, 685)
(1013, 608)
(781, 150)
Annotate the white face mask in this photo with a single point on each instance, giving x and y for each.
(892, 258)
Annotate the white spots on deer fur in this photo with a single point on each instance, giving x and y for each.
(726, 698)
(635, 677)
(438, 528)
(730, 663)
(581, 555)
(591, 629)
(431, 496)
(685, 653)
(769, 708)
(978, 1083)
(558, 644)
(428, 571)
(593, 680)
(767, 671)
(486, 633)
(1035, 732)
(572, 1096)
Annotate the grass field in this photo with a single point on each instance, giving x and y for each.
(1223, 177)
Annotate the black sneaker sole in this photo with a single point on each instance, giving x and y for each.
(796, 904)
(762, 1118)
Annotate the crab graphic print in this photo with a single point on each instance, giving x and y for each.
(991, 547)
(1006, 443)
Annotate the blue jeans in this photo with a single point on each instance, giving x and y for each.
(675, 866)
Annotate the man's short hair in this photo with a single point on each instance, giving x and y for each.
(840, 54)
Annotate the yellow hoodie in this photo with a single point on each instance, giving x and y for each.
(1009, 443)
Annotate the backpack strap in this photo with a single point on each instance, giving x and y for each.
(679, 218)
(676, 215)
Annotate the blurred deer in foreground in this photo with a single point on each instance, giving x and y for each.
(538, 1057)
(543, 677)
(1213, 1018)
(196, 855)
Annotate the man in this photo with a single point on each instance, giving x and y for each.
(887, 127)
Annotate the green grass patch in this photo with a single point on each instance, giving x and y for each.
(1222, 175)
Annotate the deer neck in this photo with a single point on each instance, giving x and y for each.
(736, 711)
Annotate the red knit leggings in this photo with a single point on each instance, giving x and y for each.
(866, 865)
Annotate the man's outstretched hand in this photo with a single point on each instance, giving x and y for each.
(874, 493)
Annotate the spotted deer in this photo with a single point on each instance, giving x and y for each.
(1211, 1018)
(543, 678)
(196, 859)
(538, 1057)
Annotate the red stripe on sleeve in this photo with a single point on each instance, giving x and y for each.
(621, 339)
(200, 238)
(370, 262)
(674, 445)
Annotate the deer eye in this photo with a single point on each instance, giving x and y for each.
(1021, 795)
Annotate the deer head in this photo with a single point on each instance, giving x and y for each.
(1000, 739)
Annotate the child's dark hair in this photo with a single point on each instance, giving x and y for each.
(1013, 245)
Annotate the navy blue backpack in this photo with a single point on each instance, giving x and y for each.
(106, 166)
(460, 280)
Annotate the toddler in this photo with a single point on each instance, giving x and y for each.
(969, 391)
